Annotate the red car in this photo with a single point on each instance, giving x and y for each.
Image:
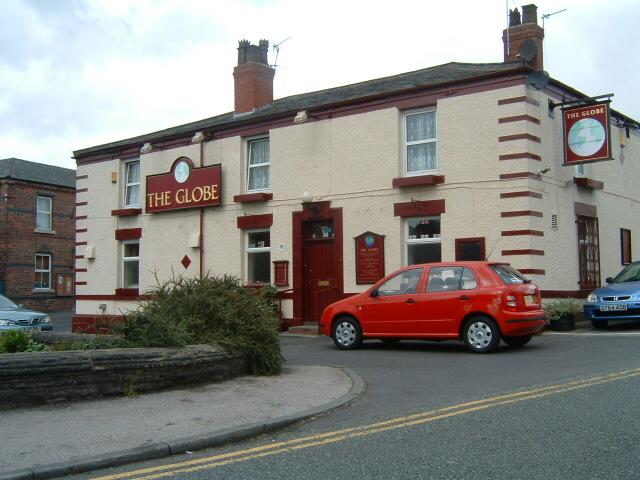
(476, 302)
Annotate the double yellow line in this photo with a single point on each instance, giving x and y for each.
(364, 430)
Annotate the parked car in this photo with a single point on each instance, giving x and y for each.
(478, 303)
(15, 317)
(618, 300)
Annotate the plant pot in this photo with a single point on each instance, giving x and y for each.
(563, 324)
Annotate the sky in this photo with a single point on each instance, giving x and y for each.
(80, 73)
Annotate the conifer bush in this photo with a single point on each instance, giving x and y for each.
(210, 309)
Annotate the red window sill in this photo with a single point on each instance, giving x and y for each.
(126, 212)
(588, 183)
(253, 197)
(127, 292)
(417, 180)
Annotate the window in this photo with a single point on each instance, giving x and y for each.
(43, 212)
(258, 164)
(259, 257)
(444, 279)
(423, 241)
(131, 264)
(132, 184)
(420, 142)
(508, 274)
(43, 271)
(470, 249)
(403, 283)
(625, 246)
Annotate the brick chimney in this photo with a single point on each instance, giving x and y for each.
(521, 30)
(253, 78)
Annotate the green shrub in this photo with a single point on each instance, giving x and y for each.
(557, 309)
(214, 310)
(13, 341)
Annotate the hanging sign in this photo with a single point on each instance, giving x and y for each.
(183, 187)
(369, 258)
(586, 133)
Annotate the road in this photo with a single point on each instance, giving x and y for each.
(561, 408)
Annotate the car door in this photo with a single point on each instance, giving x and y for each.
(394, 307)
(448, 297)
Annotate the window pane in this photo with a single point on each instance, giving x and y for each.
(131, 249)
(44, 204)
(442, 279)
(468, 280)
(133, 172)
(258, 240)
(43, 221)
(421, 126)
(259, 151)
(423, 227)
(42, 280)
(423, 253)
(421, 157)
(403, 283)
(470, 250)
(259, 267)
(132, 196)
(131, 271)
(258, 177)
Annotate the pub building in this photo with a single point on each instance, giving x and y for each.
(323, 193)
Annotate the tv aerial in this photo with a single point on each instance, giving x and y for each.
(276, 48)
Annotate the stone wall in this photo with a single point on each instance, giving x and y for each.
(44, 377)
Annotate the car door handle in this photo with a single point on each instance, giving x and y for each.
(464, 297)
(410, 300)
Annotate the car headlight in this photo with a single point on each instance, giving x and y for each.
(6, 323)
(45, 319)
(592, 298)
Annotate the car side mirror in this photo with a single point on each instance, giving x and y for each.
(609, 279)
(374, 293)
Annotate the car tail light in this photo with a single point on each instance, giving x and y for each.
(510, 301)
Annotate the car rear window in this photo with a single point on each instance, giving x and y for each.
(508, 274)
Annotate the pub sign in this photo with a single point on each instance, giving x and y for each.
(586, 133)
(184, 187)
(369, 258)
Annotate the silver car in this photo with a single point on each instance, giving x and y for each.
(16, 317)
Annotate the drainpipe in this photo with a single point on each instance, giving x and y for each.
(201, 217)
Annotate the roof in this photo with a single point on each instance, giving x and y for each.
(427, 77)
(17, 169)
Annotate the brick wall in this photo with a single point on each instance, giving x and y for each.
(20, 242)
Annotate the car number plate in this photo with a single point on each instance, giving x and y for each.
(613, 308)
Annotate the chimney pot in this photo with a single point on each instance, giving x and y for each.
(514, 17)
(529, 14)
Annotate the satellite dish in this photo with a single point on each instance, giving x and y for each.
(538, 79)
(528, 50)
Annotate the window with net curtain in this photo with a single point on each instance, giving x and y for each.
(132, 186)
(420, 142)
(258, 164)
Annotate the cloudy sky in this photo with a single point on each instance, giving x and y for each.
(78, 73)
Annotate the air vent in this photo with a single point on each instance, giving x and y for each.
(554, 221)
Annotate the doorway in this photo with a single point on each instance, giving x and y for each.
(588, 252)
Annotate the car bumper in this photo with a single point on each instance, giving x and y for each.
(27, 328)
(593, 312)
(528, 323)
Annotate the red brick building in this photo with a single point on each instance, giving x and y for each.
(37, 234)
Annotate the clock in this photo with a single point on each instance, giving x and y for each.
(181, 172)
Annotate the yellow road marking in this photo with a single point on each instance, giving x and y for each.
(354, 432)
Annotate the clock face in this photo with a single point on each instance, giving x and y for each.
(181, 173)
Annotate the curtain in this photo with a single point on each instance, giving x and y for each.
(421, 145)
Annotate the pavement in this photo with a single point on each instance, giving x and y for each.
(56, 440)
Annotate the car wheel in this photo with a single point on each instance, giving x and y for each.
(347, 333)
(599, 324)
(517, 341)
(481, 334)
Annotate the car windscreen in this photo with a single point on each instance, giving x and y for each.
(6, 303)
(508, 274)
(630, 274)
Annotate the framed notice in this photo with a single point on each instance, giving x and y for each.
(587, 133)
(369, 258)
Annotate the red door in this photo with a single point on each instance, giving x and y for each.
(321, 284)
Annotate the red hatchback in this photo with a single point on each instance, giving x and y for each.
(476, 302)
